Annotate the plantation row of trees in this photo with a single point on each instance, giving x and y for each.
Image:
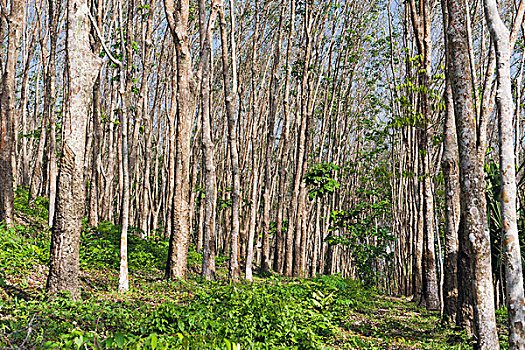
(375, 140)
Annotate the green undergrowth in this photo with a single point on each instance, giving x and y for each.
(271, 313)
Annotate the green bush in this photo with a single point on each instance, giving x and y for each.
(100, 248)
(274, 315)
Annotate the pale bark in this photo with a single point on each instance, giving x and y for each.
(471, 156)
(254, 208)
(7, 113)
(178, 19)
(297, 202)
(147, 198)
(65, 239)
(123, 283)
(24, 97)
(230, 90)
(268, 178)
(54, 14)
(505, 107)
(452, 209)
(283, 251)
(208, 145)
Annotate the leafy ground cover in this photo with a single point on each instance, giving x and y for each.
(271, 313)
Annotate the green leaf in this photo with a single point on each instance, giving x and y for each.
(154, 341)
(119, 340)
(79, 341)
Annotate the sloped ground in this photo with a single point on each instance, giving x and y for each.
(396, 323)
(271, 313)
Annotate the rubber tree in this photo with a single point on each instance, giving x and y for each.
(84, 67)
(177, 14)
(7, 112)
(208, 145)
(507, 160)
(472, 177)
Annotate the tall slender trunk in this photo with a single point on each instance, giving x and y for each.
(254, 207)
(452, 209)
(94, 188)
(268, 179)
(208, 145)
(297, 201)
(54, 14)
(123, 283)
(65, 239)
(7, 113)
(283, 252)
(230, 90)
(472, 182)
(505, 107)
(24, 98)
(421, 23)
(178, 19)
(147, 201)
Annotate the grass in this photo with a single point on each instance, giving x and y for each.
(271, 313)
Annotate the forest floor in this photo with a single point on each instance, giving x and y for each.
(271, 313)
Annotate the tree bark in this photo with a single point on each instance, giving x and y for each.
(283, 245)
(505, 107)
(452, 209)
(270, 141)
(254, 208)
(230, 90)
(54, 14)
(7, 113)
(471, 156)
(178, 18)
(123, 283)
(210, 199)
(65, 239)
(297, 203)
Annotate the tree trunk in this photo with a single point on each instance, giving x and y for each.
(452, 209)
(123, 283)
(294, 267)
(282, 244)
(230, 90)
(472, 182)
(505, 106)
(178, 18)
(268, 179)
(65, 239)
(54, 14)
(7, 113)
(208, 145)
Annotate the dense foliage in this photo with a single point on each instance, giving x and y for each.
(274, 313)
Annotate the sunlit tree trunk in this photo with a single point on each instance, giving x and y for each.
(268, 179)
(230, 90)
(254, 207)
(178, 17)
(297, 202)
(65, 239)
(471, 160)
(7, 113)
(421, 23)
(123, 284)
(505, 108)
(452, 210)
(283, 245)
(208, 145)
(54, 14)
